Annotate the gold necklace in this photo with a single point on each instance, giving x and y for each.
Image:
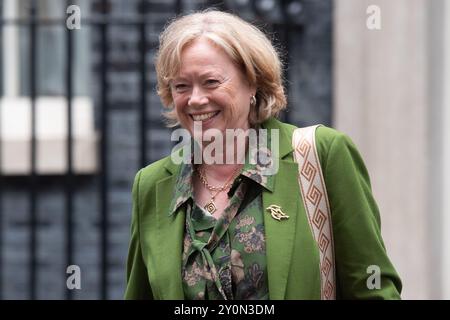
(210, 205)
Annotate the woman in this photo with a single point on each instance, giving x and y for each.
(199, 228)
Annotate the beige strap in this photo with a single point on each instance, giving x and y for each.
(315, 198)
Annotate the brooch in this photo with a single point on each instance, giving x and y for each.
(276, 212)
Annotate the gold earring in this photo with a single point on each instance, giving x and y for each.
(252, 100)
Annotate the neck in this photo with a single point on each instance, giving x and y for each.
(220, 172)
(231, 158)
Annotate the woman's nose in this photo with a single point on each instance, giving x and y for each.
(197, 97)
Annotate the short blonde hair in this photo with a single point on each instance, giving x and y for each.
(244, 43)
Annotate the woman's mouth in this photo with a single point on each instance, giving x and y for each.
(204, 116)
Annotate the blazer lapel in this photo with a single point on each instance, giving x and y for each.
(280, 235)
(170, 230)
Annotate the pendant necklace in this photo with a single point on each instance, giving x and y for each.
(214, 190)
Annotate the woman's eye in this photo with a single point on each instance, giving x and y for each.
(180, 87)
(212, 82)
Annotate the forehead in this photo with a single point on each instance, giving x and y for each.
(202, 56)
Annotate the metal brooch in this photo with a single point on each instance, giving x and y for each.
(276, 212)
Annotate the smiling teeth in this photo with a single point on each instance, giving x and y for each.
(203, 117)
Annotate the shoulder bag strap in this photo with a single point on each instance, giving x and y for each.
(315, 198)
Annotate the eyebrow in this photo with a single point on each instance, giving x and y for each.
(205, 74)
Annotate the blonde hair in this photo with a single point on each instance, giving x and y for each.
(244, 43)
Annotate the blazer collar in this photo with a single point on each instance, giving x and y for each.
(285, 146)
(279, 234)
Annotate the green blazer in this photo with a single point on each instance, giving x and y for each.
(154, 260)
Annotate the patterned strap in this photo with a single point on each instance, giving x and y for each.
(315, 198)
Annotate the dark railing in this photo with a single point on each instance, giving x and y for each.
(102, 20)
(69, 174)
(33, 177)
(103, 154)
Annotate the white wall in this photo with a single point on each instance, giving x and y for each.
(445, 195)
(381, 100)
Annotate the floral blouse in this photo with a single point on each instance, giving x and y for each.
(225, 258)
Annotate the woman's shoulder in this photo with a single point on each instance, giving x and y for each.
(324, 134)
(329, 142)
(155, 171)
(338, 149)
(327, 139)
(327, 136)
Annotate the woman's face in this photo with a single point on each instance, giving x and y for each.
(211, 89)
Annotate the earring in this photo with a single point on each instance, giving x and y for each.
(252, 100)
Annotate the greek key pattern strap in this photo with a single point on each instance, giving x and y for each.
(314, 195)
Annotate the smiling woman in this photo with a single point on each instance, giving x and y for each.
(236, 230)
(211, 89)
(225, 37)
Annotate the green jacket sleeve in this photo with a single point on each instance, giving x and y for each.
(138, 286)
(359, 249)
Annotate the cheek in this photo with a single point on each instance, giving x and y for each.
(231, 98)
(179, 103)
(239, 101)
